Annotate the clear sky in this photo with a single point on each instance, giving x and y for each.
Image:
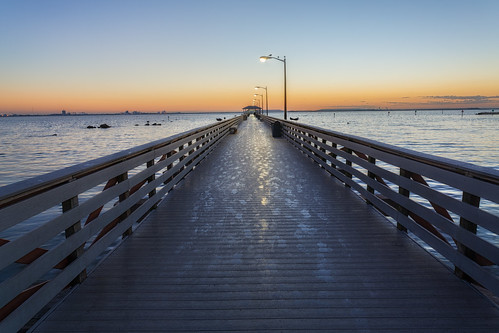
(201, 55)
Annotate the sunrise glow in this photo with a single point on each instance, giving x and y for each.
(109, 56)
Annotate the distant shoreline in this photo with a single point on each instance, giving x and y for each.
(139, 113)
(412, 109)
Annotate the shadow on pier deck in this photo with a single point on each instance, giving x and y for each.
(257, 239)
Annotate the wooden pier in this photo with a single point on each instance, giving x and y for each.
(259, 238)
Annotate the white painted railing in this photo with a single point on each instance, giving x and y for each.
(437, 199)
(101, 201)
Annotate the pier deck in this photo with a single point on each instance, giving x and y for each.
(257, 238)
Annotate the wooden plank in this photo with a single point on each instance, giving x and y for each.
(35, 303)
(41, 183)
(27, 276)
(481, 246)
(466, 183)
(17, 248)
(486, 249)
(483, 173)
(476, 186)
(20, 211)
(258, 238)
(484, 277)
(32, 272)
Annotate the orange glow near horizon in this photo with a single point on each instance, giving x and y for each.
(229, 93)
(43, 102)
(172, 56)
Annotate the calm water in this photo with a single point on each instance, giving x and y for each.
(31, 146)
(467, 138)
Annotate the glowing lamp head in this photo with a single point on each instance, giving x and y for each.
(264, 58)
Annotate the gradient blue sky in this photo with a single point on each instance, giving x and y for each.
(194, 55)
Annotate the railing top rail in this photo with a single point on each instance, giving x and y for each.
(15, 191)
(486, 174)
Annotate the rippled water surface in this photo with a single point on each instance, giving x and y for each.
(465, 137)
(32, 146)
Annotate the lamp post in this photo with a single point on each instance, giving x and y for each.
(255, 101)
(265, 58)
(262, 100)
(266, 98)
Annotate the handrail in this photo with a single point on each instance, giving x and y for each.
(396, 182)
(471, 170)
(10, 192)
(101, 200)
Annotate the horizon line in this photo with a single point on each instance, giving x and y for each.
(136, 112)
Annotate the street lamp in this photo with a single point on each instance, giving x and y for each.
(265, 58)
(262, 100)
(256, 102)
(266, 98)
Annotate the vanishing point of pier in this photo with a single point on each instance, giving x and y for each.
(255, 235)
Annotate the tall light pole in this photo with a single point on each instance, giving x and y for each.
(255, 101)
(265, 58)
(262, 99)
(266, 98)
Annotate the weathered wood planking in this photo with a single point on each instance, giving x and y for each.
(164, 163)
(258, 238)
(340, 155)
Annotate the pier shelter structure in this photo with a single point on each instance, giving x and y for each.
(312, 231)
(252, 109)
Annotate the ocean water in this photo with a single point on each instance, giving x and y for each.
(31, 146)
(465, 137)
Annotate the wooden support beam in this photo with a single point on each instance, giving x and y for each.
(121, 178)
(473, 200)
(66, 206)
(371, 174)
(349, 163)
(149, 180)
(405, 193)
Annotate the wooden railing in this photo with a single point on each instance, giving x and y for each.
(99, 202)
(437, 199)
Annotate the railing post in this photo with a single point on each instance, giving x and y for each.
(349, 163)
(333, 155)
(406, 193)
(66, 206)
(324, 141)
(181, 158)
(123, 197)
(474, 201)
(169, 166)
(371, 174)
(149, 180)
(190, 152)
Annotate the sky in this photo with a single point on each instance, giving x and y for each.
(203, 55)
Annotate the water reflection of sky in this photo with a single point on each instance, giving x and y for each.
(29, 146)
(468, 138)
(35, 145)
